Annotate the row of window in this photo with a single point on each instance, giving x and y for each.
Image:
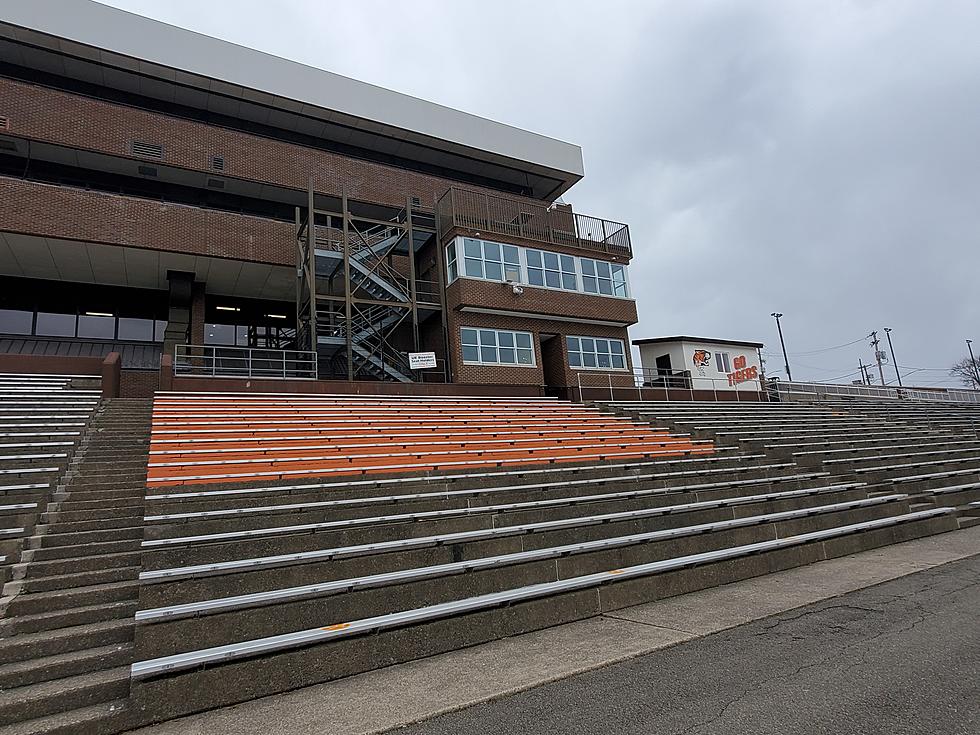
(88, 325)
(468, 257)
(503, 347)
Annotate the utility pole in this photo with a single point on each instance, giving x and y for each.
(865, 378)
(776, 315)
(976, 370)
(874, 343)
(888, 333)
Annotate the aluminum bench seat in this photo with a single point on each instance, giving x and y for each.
(346, 552)
(397, 518)
(898, 455)
(333, 630)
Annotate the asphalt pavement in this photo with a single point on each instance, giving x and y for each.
(900, 657)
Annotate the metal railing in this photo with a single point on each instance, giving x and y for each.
(219, 361)
(558, 224)
(658, 385)
(944, 395)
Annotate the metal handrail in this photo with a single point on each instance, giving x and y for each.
(224, 361)
(944, 395)
(621, 384)
(557, 224)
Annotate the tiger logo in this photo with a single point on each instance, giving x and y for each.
(701, 358)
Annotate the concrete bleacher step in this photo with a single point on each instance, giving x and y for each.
(206, 677)
(30, 646)
(34, 701)
(59, 666)
(68, 617)
(72, 597)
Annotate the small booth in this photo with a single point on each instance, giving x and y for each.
(705, 368)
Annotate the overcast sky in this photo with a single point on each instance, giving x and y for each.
(818, 158)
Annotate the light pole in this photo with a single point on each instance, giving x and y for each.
(976, 370)
(888, 333)
(776, 315)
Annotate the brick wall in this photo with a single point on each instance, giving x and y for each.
(73, 120)
(75, 214)
(138, 383)
(488, 294)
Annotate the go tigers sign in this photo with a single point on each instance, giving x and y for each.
(742, 373)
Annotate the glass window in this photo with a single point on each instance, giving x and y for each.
(16, 322)
(96, 327)
(722, 362)
(55, 325)
(452, 268)
(496, 347)
(159, 328)
(602, 277)
(595, 352)
(136, 330)
(219, 334)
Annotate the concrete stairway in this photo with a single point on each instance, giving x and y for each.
(67, 625)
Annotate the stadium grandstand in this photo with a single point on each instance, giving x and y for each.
(301, 378)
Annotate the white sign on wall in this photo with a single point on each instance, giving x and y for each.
(421, 360)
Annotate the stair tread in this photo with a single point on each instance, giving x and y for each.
(76, 590)
(61, 612)
(44, 689)
(81, 654)
(75, 719)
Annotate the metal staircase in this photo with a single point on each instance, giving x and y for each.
(357, 290)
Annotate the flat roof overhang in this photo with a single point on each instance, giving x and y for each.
(685, 338)
(97, 44)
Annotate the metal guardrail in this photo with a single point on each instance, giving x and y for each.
(657, 385)
(491, 213)
(219, 361)
(943, 395)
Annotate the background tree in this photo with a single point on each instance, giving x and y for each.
(965, 373)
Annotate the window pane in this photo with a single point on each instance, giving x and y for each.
(619, 274)
(451, 253)
(602, 345)
(474, 268)
(525, 357)
(618, 361)
(590, 284)
(617, 346)
(219, 334)
(568, 263)
(511, 255)
(55, 325)
(588, 267)
(603, 268)
(512, 273)
(469, 336)
(588, 345)
(506, 339)
(551, 279)
(16, 322)
(533, 258)
(568, 281)
(535, 276)
(620, 289)
(494, 271)
(508, 355)
(159, 327)
(551, 261)
(488, 337)
(472, 248)
(572, 343)
(491, 251)
(241, 336)
(452, 272)
(605, 287)
(589, 359)
(470, 354)
(488, 354)
(604, 360)
(575, 359)
(97, 327)
(523, 339)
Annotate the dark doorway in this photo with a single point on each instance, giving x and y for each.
(553, 365)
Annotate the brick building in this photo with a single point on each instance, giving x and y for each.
(164, 193)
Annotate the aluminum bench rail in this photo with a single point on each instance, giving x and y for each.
(429, 479)
(469, 492)
(339, 586)
(700, 461)
(394, 518)
(288, 641)
(346, 552)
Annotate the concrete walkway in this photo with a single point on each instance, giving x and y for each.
(746, 674)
